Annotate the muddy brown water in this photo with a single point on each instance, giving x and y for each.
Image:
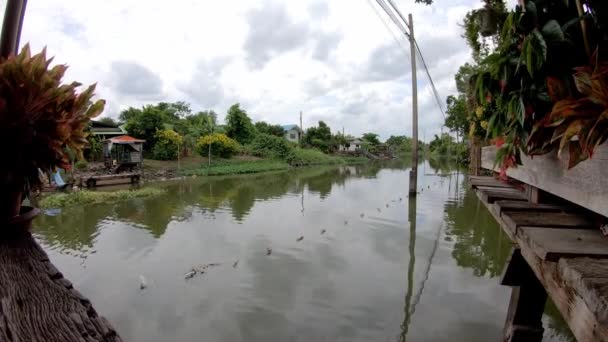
(371, 266)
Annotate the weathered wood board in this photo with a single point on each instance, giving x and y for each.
(515, 219)
(583, 305)
(591, 277)
(586, 184)
(527, 206)
(488, 181)
(490, 195)
(554, 243)
(38, 304)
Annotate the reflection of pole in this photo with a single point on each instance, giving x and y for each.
(414, 171)
(410, 268)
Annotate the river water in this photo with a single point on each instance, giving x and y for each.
(372, 265)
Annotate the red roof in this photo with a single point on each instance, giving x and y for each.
(125, 139)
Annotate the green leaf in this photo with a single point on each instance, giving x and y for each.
(552, 32)
(573, 129)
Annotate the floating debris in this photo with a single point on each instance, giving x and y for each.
(322, 231)
(387, 205)
(428, 187)
(268, 251)
(300, 238)
(379, 210)
(400, 199)
(142, 282)
(200, 269)
(236, 263)
(345, 222)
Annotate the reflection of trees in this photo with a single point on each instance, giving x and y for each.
(478, 240)
(76, 227)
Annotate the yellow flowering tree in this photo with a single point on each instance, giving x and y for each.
(167, 144)
(221, 145)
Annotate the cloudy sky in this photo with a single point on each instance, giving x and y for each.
(335, 59)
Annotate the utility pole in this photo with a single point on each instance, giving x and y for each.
(414, 170)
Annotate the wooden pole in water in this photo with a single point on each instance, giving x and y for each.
(414, 170)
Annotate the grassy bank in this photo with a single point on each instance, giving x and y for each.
(89, 197)
(299, 158)
(228, 167)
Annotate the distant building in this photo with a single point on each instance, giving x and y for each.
(354, 144)
(106, 131)
(292, 132)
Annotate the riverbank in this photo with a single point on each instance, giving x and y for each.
(159, 170)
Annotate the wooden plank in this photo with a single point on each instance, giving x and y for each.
(590, 278)
(554, 243)
(38, 304)
(580, 316)
(488, 181)
(585, 185)
(526, 206)
(516, 219)
(491, 196)
(581, 319)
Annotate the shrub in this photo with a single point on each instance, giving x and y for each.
(269, 146)
(221, 145)
(167, 145)
(81, 165)
(303, 157)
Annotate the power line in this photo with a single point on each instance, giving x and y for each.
(428, 73)
(397, 40)
(391, 15)
(396, 21)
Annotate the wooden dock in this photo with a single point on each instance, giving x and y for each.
(38, 304)
(93, 181)
(558, 251)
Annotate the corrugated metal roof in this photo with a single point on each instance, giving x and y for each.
(124, 139)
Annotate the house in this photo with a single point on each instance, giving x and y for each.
(106, 131)
(353, 145)
(123, 152)
(292, 132)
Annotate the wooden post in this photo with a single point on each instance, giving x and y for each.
(414, 170)
(528, 297)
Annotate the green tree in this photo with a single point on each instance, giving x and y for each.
(108, 121)
(266, 128)
(145, 123)
(457, 115)
(318, 137)
(238, 125)
(371, 138)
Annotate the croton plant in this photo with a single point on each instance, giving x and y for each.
(546, 85)
(40, 119)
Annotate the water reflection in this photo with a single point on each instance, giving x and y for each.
(419, 269)
(76, 228)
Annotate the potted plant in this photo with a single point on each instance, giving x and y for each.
(40, 119)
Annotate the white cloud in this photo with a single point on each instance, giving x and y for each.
(334, 60)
